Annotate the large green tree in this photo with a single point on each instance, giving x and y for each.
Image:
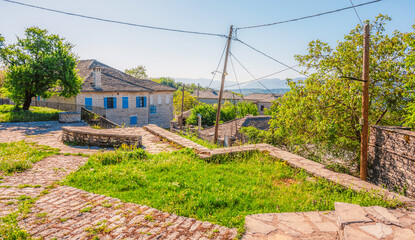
(41, 64)
(410, 61)
(189, 101)
(138, 72)
(325, 108)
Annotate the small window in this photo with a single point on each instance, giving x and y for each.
(133, 120)
(151, 99)
(141, 102)
(262, 107)
(159, 100)
(88, 103)
(153, 109)
(167, 99)
(110, 102)
(124, 102)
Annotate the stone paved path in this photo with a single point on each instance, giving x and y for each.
(49, 133)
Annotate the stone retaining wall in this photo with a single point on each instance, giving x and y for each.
(293, 160)
(98, 137)
(69, 117)
(391, 158)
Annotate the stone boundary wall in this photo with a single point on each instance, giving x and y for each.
(95, 137)
(391, 158)
(293, 160)
(69, 117)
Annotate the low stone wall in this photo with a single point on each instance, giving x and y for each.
(293, 160)
(98, 137)
(69, 117)
(391, 158)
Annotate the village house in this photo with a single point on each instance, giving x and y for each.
(212, 96)
(262, 100)
(127, 100)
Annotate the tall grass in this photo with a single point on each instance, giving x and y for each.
(8, 113)
(222, 191)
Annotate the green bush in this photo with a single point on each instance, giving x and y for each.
(207, 111)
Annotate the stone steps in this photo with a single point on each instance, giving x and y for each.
(346, 222)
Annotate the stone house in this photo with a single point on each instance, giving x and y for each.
(128, 100)
(262, 100)
(212, 96)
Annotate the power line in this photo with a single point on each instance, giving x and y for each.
(236, 77)
(268, 56)
(115, 21)
(269, 75)
(357, 14)
(217, 68)
(310, 16)
(250, 73)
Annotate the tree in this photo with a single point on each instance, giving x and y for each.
(42, 65)
(325, 108)
(189, 101)
(410, 62)
(207, 111)
(138, 72)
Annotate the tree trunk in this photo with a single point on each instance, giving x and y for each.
(27, 101)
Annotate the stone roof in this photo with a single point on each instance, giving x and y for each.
(262, 97)
(212, 94)
(114, 80)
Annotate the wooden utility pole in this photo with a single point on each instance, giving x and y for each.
(365, 106)
(215, 139)
(181, 115)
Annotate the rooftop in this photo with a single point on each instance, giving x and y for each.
(263, 97)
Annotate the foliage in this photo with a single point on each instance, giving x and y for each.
(189, 101)
(222, 190)
(410, 62)
(42, 65)
(138, 72)
(324, 109)
(194, 138)
(246, 107)
(207, 111)
(19, 156)
(170, 82)
(9, 113)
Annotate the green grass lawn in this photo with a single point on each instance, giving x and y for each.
(7, 114)
(193, 137)
(19, 156)
(221, 191)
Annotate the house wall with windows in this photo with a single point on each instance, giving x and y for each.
(132, 108)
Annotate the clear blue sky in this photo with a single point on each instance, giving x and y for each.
(191, 56)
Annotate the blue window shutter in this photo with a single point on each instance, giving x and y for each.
(38, 98)
(124, 102)
(105, 102)
(145, 102)
(115, 102)
(137, 102)
(133, 120)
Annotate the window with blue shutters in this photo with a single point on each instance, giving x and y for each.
(110, 102)
(153, 109)
(133, 120)
(124, 102)
(141, 102)
(88, 103)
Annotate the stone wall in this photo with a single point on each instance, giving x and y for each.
(96, 137)
(391, 159)
(69, 117)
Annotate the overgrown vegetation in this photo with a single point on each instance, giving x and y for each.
(320, 114)
(193, 137)
(222, 190)
(19, 156)
(9, 113)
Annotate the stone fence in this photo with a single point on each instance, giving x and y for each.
(391, 158)
(96, 137)
(293, 160)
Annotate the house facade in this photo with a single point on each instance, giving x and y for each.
(127, 100)
(262, 100)
(212, 96)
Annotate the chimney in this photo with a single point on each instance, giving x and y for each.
(97, 78)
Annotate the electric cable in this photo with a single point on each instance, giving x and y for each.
(217, 68)
(357, 14)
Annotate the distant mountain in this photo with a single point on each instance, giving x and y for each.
(271, 83)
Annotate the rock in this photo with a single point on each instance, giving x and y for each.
(255, 226)
(379, 230)
(350, 213)
(350, 233)
(383, 215)
(403, 234)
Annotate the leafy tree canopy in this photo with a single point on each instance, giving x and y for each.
(325, 108)
(189, 101)
(41, 64)
(410, 61)
(138, 72)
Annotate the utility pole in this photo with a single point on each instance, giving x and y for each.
(365, 106)
(215, 139)
(181, 115)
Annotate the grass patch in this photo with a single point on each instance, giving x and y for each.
(8, 113)
(193, 137)
(222, 190)
(19, 156)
